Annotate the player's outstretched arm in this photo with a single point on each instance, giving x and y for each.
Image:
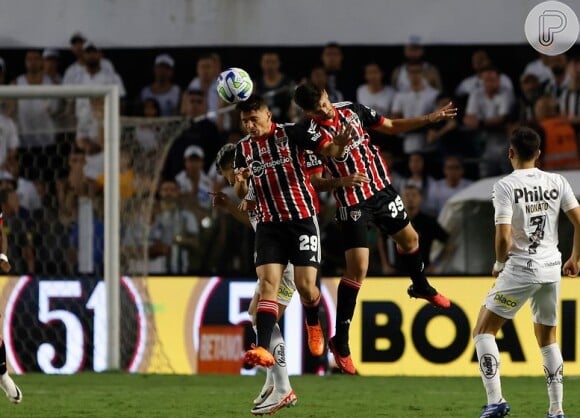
(398, 126)
(221, 200)
(327, 185)
(241, 182)
(503, 242)
(572, 266)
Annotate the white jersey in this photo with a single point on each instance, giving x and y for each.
(530, 200)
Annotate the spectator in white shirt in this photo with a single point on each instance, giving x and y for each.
(26, 189)
(9, 141)
(89, 112)
(419, 100)
(414, 53)
(194, 184)
(50, 59)
(374, 93)
(74, 71)
(488, 112)
(208, 67)
(34, 116)
(479, 61)
(163, 89)
(452, 182)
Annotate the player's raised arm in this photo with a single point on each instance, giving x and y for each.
(397, 126)
(322, 184)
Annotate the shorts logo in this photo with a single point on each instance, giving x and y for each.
(488, 365)
(355, 215)
(285, 292)
(504, 300)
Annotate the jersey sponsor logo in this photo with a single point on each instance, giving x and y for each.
(505, 300)
(530, 267)
(553, 263)
(355, 215)
(535, 195)
(259, 167)
(312, 161)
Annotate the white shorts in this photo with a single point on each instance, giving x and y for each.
(507, 296)
(287, 286)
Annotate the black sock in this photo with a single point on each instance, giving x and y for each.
(266, 318)
(345, 304)
(311, 311)
(2, 358)
(414, 267)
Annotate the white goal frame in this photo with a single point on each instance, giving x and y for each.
(112, 132)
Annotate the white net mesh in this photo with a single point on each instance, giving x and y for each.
(51, 194)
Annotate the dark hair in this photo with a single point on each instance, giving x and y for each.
(525, 143)
(225, 157)
(252, 103)
(307, 95)
(155, 104)
(491, 68)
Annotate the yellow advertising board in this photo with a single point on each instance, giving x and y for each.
(59, 326)
(394, 335)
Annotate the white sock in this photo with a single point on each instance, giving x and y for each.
(279, 370)
(554, 370)
(269, 376)
(488, 356)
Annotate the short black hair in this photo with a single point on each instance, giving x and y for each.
(252, 103)
(525, 143)
(225, 157)
(307, 95)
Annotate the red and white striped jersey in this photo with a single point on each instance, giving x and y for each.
(360, 155)
(279, 173)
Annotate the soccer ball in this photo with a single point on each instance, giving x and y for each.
(234, 85)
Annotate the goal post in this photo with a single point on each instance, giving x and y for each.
(111, 273)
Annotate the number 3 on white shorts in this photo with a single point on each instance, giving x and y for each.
(308, 242)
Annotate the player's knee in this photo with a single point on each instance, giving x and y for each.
(408, 242)
(357, 272)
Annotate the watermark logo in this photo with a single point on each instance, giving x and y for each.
(552, 27)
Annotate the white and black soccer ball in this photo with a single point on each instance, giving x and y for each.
(234, 85)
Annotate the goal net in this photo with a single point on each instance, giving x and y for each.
(78, 190)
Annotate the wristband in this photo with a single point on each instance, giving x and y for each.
(498, 266)
(3, 257)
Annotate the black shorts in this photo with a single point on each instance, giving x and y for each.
(385, 209)
(296, 241)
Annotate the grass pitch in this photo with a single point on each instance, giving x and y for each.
(126, 396)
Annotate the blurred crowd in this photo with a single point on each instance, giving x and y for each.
(52, 167)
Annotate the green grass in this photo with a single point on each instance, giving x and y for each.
(126, 396)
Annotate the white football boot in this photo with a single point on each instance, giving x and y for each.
(275, 402)
(13, 392)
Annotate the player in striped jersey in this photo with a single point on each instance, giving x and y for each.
(276, 392)
(528, 266)
(13, 392)
(375, 201)
(272, 161)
